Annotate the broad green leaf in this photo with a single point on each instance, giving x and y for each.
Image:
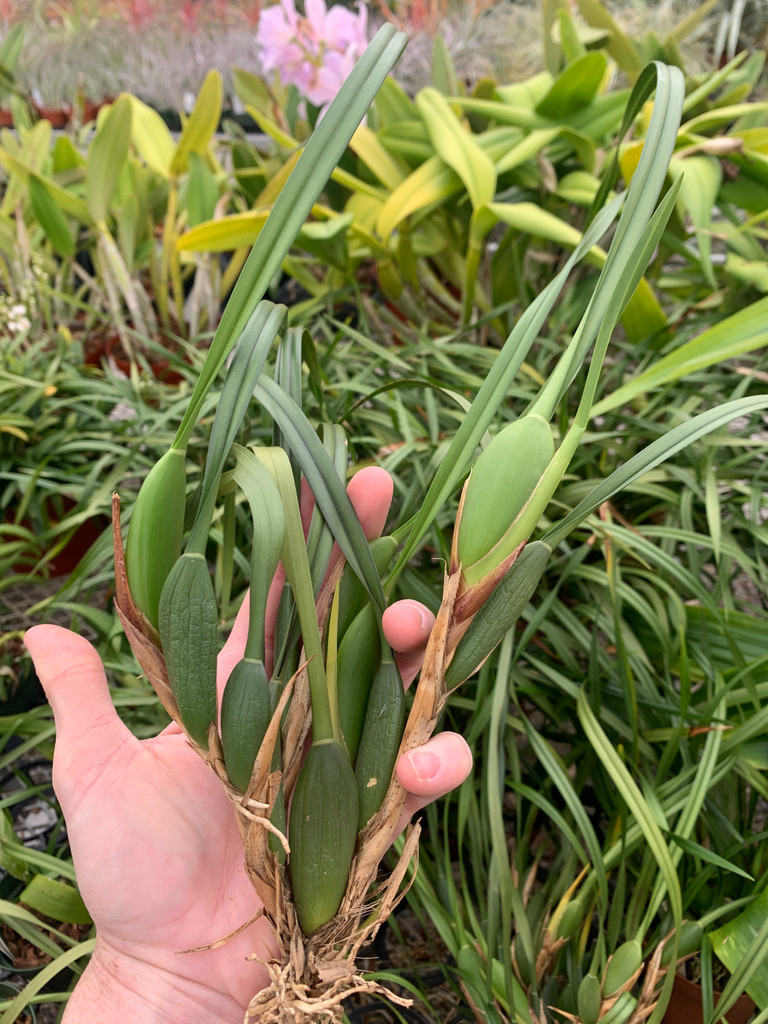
(51, 219)
(274, 131)
(751, 272)
(433, 181)
(66, 200)
(754, 140)
(701, 177)
(202, 191)
(393, 105)
(528, 93)
(528, 148)
(152, 138)
(327, 239)
(21, 158)
(366, 146)
(742, 945)
(717, 117)
(66, 155)
(106, 156)
(11, 46)
(56, 900)
(619, 45)
(574, 87)
(457, 148)
(251, 89)
(202, 123)
(642, 316)
(428, 186)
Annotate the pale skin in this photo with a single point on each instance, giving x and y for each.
(156, 849)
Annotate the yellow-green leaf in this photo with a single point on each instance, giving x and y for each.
(428, 186)
(203, 121)
(152, 138)
(57, 900)
(456, 146)
(239, 229)
(698, 194)
(66, 200)
(365, 144)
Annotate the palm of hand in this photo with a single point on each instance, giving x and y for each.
(172, 877)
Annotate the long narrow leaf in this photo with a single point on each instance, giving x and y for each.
(494, 389)
(323, 479)
(640, 811)
(323, 151)
(658, 451)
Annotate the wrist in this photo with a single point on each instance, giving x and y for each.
(116, 987)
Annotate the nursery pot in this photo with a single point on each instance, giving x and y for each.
(685, 1005)
(59, 117)
(159, 365)
(66, 560)
(10, 992)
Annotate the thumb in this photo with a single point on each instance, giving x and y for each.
(71, 673)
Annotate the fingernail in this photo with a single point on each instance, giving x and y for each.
(425, 764)
(418, 612)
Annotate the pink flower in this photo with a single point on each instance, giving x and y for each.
(315, 51)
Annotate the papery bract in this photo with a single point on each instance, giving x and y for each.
(315, 51)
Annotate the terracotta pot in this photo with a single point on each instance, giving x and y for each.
(6, 118)
(94, 349)
(159, 365)
(91, 109)
(58, 116)
(66, 560)
(685, 1005)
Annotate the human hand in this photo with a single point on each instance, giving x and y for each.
(155, 844)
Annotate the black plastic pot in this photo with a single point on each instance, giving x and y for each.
(10, 992)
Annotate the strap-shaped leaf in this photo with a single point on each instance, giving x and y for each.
(323, 478)
(494, 388)
(323, 151)
(256, 482)
(319, 538)
(202, 122)
(246, 367)
(658, 451)
(743, 331)
(636, 803)
(108, 153)
(294, 559)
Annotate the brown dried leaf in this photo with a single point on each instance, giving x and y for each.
(141, 634)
